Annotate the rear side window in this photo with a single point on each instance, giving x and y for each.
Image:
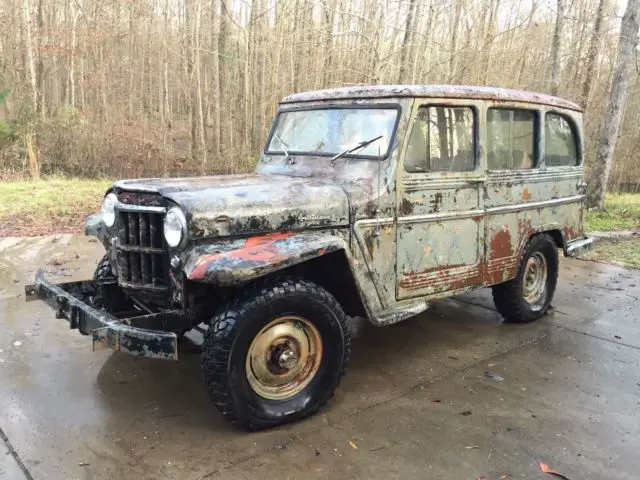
(442, 140)
(510, 139)
(560, 141)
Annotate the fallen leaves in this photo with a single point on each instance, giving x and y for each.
(547, 469)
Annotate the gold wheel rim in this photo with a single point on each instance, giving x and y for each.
(535, 280)
(284, 357)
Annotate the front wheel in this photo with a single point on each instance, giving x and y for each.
(528, 296)
(276, 353)
(109, 296)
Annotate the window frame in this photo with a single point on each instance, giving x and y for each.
(475, 137)
(336, 106)
(577, 139)
(537, 135)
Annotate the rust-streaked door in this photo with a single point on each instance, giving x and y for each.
(440, 210)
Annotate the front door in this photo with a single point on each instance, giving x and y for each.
(440, 207)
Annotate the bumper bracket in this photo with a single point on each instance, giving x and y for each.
(135, 335)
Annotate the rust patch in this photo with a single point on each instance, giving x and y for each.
(406, 207)
(569, 233)
(259, 248)
(498, 271)
(501, 245)
(370, 209)
(370, 241)
(526, 195)
(477, 218)
(436, 203)
(442, 278)
(441, 92)
(261, 239)
(525, 230)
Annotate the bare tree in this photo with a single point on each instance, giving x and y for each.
(613, 116)
(26, 12)
(169, 81)
(556, 46)
(592, 55)
(406, 42)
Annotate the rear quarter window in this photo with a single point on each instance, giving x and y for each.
(560, 141)
(511, 135)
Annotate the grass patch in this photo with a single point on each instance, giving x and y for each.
(48, 206)
(622, 213)
(625, 252)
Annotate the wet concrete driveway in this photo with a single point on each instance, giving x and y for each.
(451, 394)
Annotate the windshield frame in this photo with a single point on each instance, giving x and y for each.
(336, 106)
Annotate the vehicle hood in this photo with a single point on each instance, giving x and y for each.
(248, 204)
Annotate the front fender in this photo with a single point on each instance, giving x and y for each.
(241, 260)
(95, 227)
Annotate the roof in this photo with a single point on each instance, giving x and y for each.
(431, 91)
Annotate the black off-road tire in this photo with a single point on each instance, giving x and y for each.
(233, 328)
(109, 296)
(508, 296)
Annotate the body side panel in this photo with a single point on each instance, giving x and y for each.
(520, 203)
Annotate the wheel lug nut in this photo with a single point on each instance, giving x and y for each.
(287, 359)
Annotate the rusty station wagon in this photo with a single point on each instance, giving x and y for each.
(367, 201)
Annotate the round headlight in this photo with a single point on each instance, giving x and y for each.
(109, 209)
(175, 226)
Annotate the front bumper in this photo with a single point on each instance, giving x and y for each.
(578, 247)
(145, 335)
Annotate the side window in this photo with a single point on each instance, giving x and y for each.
(510, 139)
(442, 140)
(559, 141)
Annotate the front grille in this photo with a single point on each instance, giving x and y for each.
(142, 257)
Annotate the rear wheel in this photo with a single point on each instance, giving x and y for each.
(528, 296)
(276, 353)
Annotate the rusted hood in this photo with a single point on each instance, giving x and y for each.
(248, 204)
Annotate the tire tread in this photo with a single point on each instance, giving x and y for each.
(507, 296)
(219, 338)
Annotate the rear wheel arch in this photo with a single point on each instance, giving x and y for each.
(556, 235)
(509, 296)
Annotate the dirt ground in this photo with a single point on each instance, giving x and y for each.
(451, 394)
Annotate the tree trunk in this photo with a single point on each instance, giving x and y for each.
(613, 116)
(454, 40)
(72, 58)
(31, 138)
(215, 78)
(191, 100)
(203, 135)
(40, 65)
(592, 54)
(406, 42)
(30, 54)
(223, 67)
(556, 47)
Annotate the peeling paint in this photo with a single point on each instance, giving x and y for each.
(408, 237)
(256, 256)
(501, 245)
(442, 92)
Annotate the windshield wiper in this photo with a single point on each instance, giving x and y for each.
(354, 149)
(285, 147)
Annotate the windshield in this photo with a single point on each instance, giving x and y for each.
(331, 131)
